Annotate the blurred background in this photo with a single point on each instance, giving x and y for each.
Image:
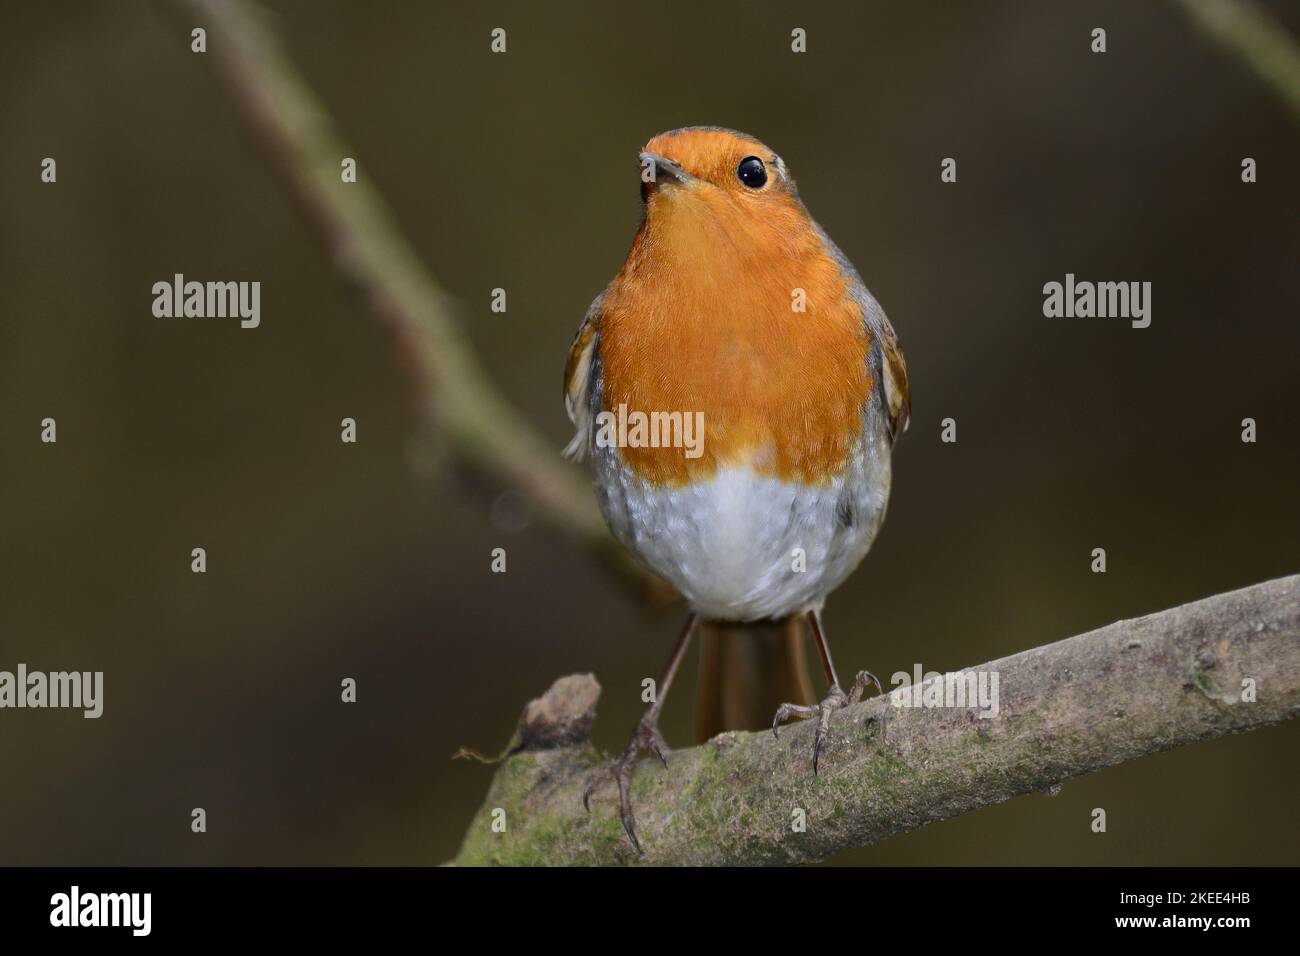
(328, 560)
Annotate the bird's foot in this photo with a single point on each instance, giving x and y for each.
(835, 700)
(646, 739)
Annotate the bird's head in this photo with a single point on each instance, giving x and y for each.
(701, 178)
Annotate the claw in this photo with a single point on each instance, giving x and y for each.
(625, 801)
(790, 710)
(645, 739)
(781, 714)
(630, 829)
(835, 699)
(658, 751)
(863, 677)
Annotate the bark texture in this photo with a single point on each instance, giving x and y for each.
(1118, 693)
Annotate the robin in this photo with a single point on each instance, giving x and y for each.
(739, 392)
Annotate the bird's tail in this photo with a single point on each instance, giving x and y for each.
(747, 671)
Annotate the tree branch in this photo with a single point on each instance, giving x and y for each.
(1249, 31)
(1115, 694)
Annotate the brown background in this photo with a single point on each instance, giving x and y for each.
(519, 171)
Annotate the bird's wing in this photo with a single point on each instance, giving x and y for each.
(885, 357)
(897, 399)
(577, 380)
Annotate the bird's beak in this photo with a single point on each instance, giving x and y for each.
(657, 170)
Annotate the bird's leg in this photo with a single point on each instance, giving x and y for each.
(646, 738)
(835, 697)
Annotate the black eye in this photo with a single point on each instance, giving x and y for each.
(752, 172)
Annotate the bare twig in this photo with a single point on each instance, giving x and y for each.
(1247, 30)
(453, 392)
(1226, 664)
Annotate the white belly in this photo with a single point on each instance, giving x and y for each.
(733, 545)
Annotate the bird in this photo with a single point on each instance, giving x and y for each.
(769, 388)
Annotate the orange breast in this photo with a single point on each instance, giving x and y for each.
(700, 319)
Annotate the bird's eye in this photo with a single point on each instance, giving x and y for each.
(752, 172)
